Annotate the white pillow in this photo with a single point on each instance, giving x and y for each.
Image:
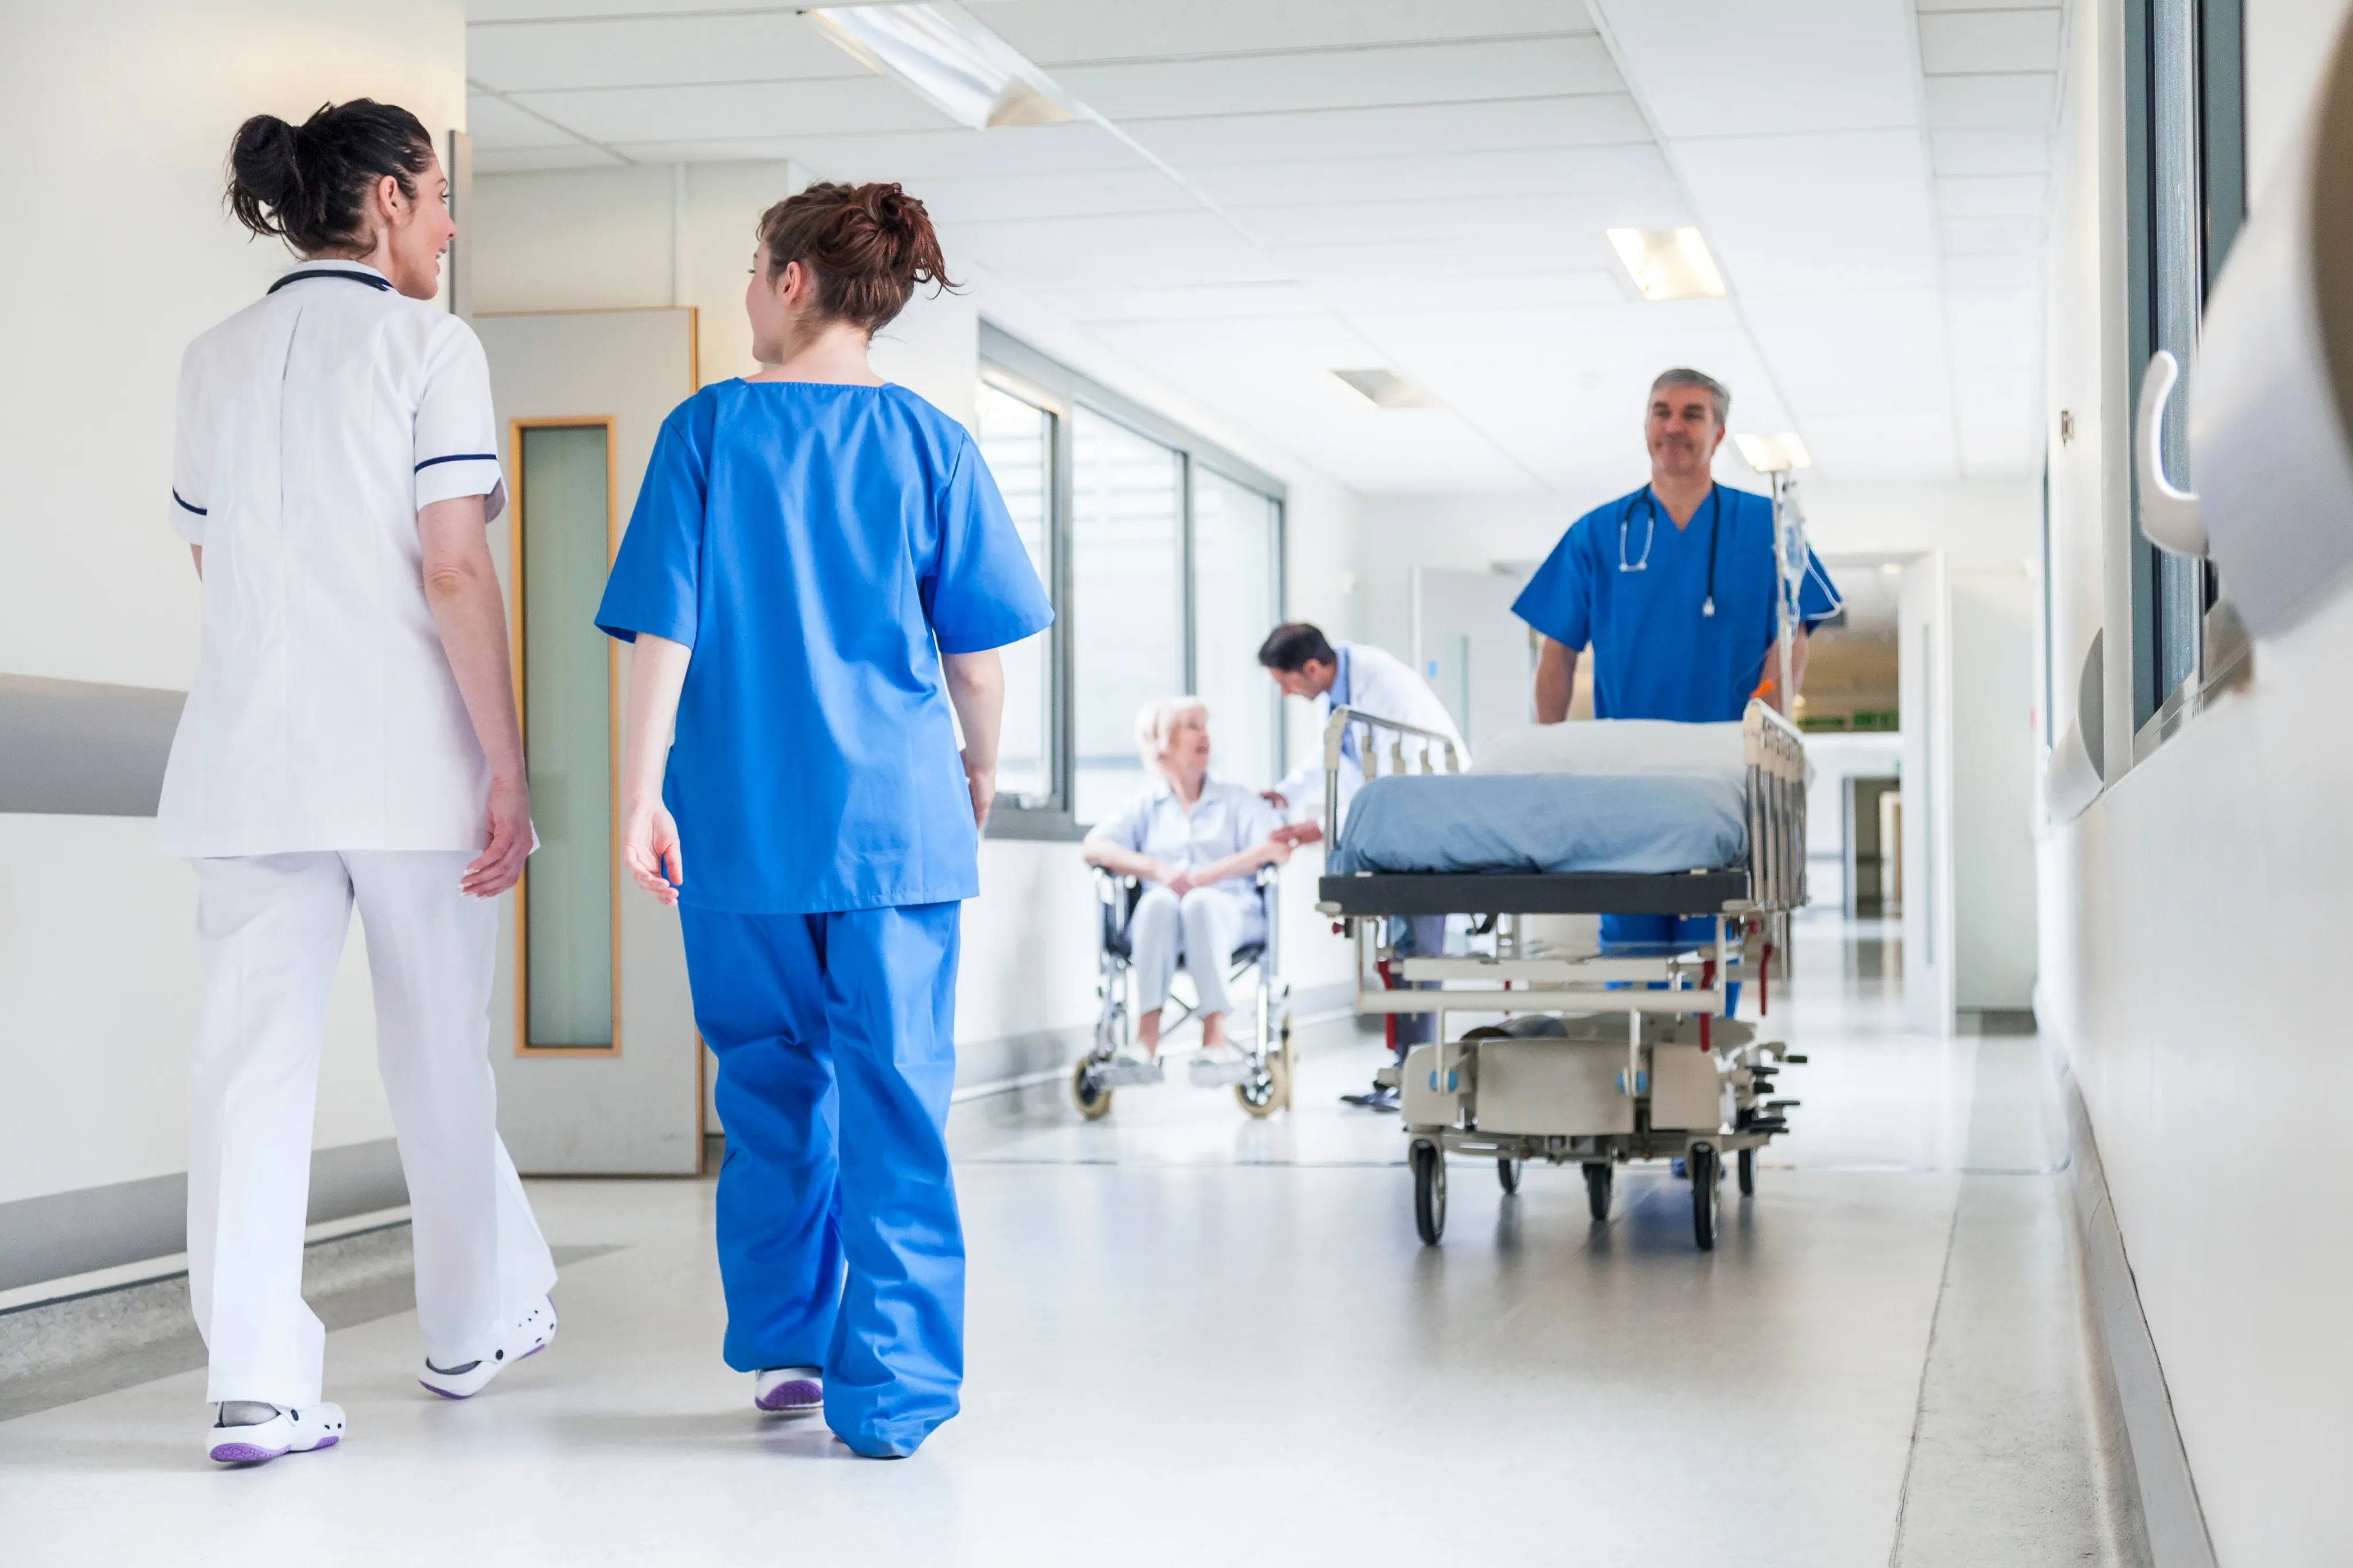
(1618, 746)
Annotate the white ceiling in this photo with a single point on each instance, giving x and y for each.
(1287, 186)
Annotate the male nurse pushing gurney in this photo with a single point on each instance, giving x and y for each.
(1672, 588)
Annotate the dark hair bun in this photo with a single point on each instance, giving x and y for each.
(308, 183)
(868, 246)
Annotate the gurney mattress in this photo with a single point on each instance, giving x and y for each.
(1544, 823)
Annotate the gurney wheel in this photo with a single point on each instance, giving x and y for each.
(1429, 1193)
(1598, 1177)
(1265, 1095)
(1702, 1164)
(1094, 1100)
(1747, 1164)
(1508, 1172)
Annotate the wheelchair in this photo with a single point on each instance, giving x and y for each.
(1266, 1045)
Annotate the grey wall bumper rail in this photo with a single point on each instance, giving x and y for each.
(81, 748)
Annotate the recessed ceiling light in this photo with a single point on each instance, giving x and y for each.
(1668, 263)
(1774, 454)
(967, 72)
(1383, 388)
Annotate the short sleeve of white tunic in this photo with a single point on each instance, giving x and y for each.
(311, 427)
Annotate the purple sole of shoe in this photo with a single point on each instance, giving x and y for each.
(796, 1399)
(244, 1453)
(442, 1392)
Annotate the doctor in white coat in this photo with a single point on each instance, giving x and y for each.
(1305, 663)
(350, 739)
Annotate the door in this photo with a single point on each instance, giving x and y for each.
(1475, 653)
(592, 1028)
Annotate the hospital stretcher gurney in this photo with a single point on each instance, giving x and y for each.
(1583, 1073)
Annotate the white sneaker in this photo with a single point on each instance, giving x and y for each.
(1220, 1068)
(524, 1339)
(790, 1391)
(319, 1426)
(1132, 1066)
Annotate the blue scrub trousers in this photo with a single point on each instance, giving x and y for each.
(1621, 931)
(835, 1034)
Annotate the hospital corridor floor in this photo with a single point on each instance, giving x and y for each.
(1198, 1340)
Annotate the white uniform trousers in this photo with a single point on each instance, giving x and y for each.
(1204, 927)
(270, 931)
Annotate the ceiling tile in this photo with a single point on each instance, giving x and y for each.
(1957, 41)
(1840, 355)
(1101, 192)
(1637, 168)
(1356, 79)
(546, 10)
(837, 106)
(1143, 249)
(1369, 133)
(1056, 32)
(494, 123)
(1992, 236)
(1812, 212)
(1991, 152)
(1711, 68)
(1175, 302)
(1992, 195)
(1911, 446)
(1994, 331)
(1530, 227)
(637, 51)
(1976, 102)
(2016, 270)
(913, 157)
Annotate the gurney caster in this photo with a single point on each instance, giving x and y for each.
(1704, 1173)
(1428, 1192)
(1598, 1174)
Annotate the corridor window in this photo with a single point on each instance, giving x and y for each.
(1127, 577)
(1236, 601)
(1163, 555)
(1017, 440)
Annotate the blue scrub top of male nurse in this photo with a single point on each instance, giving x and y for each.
(1681, 620)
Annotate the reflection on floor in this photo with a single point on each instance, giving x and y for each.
(1196, 1339)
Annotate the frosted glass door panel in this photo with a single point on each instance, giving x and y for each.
(1127, 585)
(1017, 440)
(567, 736)
(1234, 607)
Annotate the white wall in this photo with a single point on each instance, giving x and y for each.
(2180, 912)
(120, 253)
(600, 239)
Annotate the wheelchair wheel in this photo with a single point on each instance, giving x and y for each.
(1270, 1091)
(1508, 1172)
(1747, 1169)
(1429, 1193)
(1093, 1098)
(1289, 1077)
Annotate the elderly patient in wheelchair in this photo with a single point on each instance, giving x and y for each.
(1196, 845)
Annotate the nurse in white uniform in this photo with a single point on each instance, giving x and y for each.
(350, 739)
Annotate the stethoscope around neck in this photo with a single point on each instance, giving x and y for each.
(1651, 534)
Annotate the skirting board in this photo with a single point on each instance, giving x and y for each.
(2167, 1492)
(62, 1234)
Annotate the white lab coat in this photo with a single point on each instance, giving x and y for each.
(1383, 685)
(325, 761)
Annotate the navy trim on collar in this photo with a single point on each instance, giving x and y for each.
(370, 279)
(184, 501)
(460, 457)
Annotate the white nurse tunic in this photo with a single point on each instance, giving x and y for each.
(312, 425)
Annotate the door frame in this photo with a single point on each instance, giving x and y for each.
(522, 1046)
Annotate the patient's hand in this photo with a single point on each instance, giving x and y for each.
(1181, 880)
(1292, 834)
(1278, 850)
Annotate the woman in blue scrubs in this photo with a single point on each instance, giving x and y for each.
(819, 570)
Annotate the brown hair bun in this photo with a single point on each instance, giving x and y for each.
(867, 247)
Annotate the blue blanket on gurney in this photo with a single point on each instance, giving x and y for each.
(1545, 822)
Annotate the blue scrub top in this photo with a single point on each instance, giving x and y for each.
(818, 547)
(1656, 655)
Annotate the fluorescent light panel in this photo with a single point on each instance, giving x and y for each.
(1668, 263)
(1775, 454)
(1383, 388)
(943, 55)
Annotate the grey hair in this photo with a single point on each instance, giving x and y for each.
(1683, 376)
(1154, 721)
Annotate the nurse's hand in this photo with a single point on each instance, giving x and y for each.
(983, 785)
(649, 850)
(499, 865)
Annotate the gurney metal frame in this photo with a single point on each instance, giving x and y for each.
(1750, 906)
(1267, 1046)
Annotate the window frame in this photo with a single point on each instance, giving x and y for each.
(2215, 167)
(1022, 372)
